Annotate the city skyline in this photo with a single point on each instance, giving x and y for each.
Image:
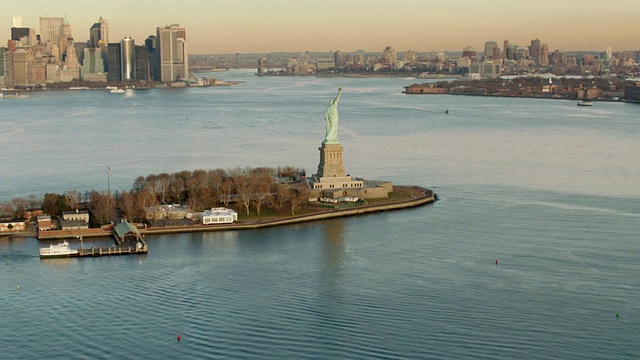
(251, 26)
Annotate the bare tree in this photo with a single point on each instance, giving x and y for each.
(146, 199)
(215, 178)
(281, 198)
(128, 205)
(300, 195)
(244, 190)
(73, 199)
(262, 185)
(164, 180)
(226, 189)
(102, 208)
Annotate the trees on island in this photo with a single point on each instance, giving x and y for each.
(252, 190)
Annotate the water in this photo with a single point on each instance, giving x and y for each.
(547, 188)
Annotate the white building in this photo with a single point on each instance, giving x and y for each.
(219, 216)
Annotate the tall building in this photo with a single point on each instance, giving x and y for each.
(142, 68)
(113, 62)
(93, 65)
(65, 39)
(50, 29)
(469, 52)
(172, 47)
(505, 47)
(99, 34)
(127, 59)
(488, 49)
(609, 53)
(544, 55)
(151, 43)
(390, 56)
(534, 50)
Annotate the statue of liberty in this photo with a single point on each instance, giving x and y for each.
(331, 117)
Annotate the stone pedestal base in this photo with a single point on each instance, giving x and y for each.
(331, 164)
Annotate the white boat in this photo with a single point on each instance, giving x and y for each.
(585, 103)
(117, 91)
(58, 251)
(13, 96)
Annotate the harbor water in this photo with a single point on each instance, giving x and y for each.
(531, 252)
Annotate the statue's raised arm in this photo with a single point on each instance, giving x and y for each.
(331, 117)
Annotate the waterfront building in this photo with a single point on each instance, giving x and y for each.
(171, 211)
(12, 226)
(71, 63)
(93, 65)
(44, 223)
(142, 65)
(324, 63)
(219, 215)
(20, 60)
(4, 66)
(127, 58)
(172, 48)
(113, 62)
(151, 43)
(99, 34)
(262, 66)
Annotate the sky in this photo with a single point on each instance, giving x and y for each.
(263, 26)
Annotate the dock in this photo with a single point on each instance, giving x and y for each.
(111, 250)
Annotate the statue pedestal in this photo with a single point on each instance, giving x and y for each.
(331, 175)
(331, 164)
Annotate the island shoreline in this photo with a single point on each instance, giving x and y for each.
(425, 196)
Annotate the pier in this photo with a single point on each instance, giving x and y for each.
(111, 250)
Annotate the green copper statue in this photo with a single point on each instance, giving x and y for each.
(331, 117)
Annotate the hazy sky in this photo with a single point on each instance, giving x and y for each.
(244, 26)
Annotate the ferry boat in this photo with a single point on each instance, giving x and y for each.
(585, 103)
(58, 251)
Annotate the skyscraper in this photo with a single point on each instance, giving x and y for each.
(50, 29)
(172, 46)
(534, 50)
(113, 62)
(544, 55)
(151, 43)
(127, 59)
(99, 34)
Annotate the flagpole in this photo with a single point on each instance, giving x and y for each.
(109, 180)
